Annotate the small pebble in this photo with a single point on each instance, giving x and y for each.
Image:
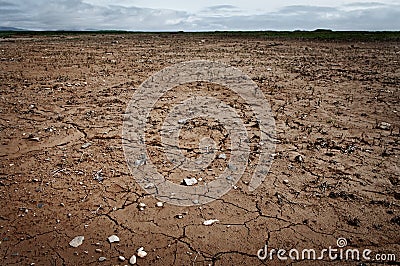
(159, 204)
(86, 145)
(113, 239)
(102, 258)
(384, 125)
(210, 222)
(77, 241)
(190, 181)
(285, 181)
(299, 158)
(121, 258)
(98, 250)
(141, 253)
(132, 260)
(222, 156)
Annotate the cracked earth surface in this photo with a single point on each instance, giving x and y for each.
(335, 173)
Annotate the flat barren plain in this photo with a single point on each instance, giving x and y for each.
(63, 172)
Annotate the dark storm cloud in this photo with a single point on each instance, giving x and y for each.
(78, 15)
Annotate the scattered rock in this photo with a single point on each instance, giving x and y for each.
(299, 158)
(354, 222)
(98, 175)
(133, 260)
(77, 241)
(141, 206)
(141, 253)
(222, 156)
(149, 186)
(285, 181)
(113, 239)
(396, 220)
(102, 259)
(343, 195)
(210, 222)
(182, 121)
(33, 138)
(384, 125)
(190, 181)
(98, 250)
(121, 258)
(140, 162)
(159, 204)
(86, 145)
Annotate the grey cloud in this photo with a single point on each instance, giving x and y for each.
(365, 4)
(296, 9)
(376, 17)
(77, 15)
(221, 7)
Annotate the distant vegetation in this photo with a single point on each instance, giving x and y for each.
(319, 34)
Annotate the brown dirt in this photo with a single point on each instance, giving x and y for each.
(328, 99)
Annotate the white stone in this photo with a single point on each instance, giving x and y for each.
(210, 222)
(86, 145)
(77, 241)
(222, 156)
(141, 253)
(132, 260)
(113, 239)
(102, 258)
(384, 125)
(121, 258)
(189, 181)
(159, 204)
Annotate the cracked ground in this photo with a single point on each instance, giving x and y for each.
(63, 172)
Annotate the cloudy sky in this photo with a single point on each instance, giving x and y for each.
(205, 15)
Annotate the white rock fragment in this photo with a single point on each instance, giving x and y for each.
(77, 241)
(113, 239)
(189, 181)
(222, 156)
(159, 204)
(285, 181)
(133, 260)
(149, 186)
(210, 222)
(182, 121)
(102, 258)
(86, 145)
(121, 258)
(141, 253)
(384, 125)
(141, 206)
